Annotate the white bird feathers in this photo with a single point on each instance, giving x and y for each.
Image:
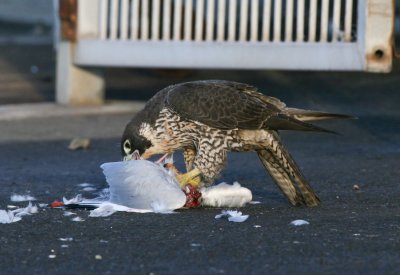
(143, 184)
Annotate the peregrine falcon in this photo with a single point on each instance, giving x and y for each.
(206, 119)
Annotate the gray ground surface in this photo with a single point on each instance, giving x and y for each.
(351, 232)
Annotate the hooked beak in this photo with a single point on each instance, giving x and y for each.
(134, 156)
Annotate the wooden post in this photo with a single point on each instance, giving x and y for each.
(77, 85)
(376, 19)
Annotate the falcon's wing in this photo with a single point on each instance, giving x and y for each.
(231, 105)
(220, 104)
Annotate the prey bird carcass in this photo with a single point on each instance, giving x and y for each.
(207, 119)
(143, 186)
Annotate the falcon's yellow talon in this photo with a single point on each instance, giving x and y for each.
(192, 177)
(195, 182)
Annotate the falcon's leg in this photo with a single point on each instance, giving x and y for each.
(192, 178)
(189, 155)
(209, 160)
(286, 173)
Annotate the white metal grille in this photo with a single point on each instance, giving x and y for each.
(228, 20)
(252, 34)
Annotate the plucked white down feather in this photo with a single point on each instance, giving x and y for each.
(226, 195)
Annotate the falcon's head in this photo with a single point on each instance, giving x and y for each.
(133, 145)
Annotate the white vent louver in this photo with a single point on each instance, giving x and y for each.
(228, 20)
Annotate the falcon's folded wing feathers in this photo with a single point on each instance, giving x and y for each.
(218, 104)
(231, 105)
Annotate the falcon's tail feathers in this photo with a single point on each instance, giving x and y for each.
(287, 175)
(281, 177)
(285, 122)
(309, 115)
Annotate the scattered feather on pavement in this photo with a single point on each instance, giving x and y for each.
(7, 216)
(232, 215)
(299, 222)
(19, 198)
(77, 219)
(69, 213)
(10, 216)
(75, 200)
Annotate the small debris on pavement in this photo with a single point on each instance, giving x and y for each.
(254, 202)
(79, 143)
(299, 222)
(12, 206)
(98, 257)
(52, 256)
(56, 204)
(19, 198)
(233, 216)
(68, 239)
(256, 226)
(356, 187)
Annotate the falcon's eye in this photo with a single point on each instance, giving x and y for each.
(127, 146)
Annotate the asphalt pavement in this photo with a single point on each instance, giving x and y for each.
(352, 232)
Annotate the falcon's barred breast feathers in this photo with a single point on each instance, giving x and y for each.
(207, 119)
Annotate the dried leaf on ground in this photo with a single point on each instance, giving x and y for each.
(79, 143)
